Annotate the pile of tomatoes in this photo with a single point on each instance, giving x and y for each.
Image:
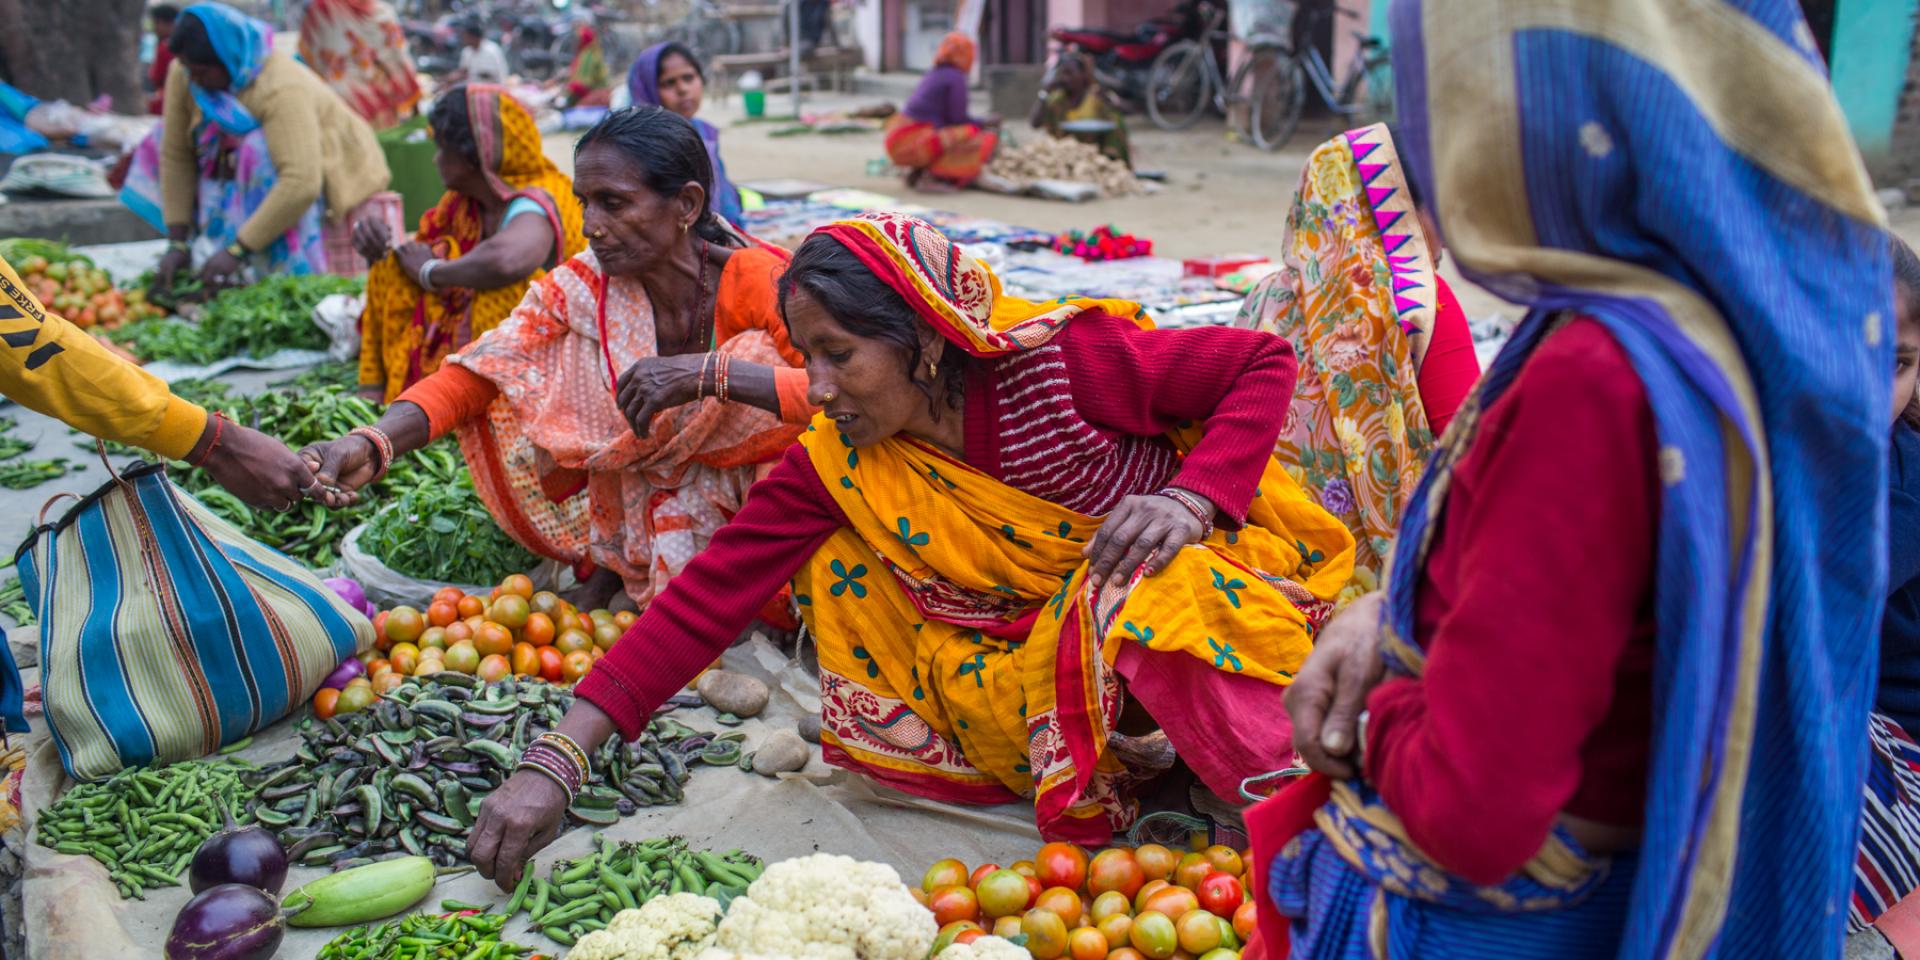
(1145, 903)
(83, 293)
(512, 631)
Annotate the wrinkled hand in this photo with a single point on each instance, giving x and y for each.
(1327, 695)
(172, 263)
(258, 469)
(341, 467)
(371, 239)
(654, 384)
(222, 269)
(1143, 530)
(411, 256)
(516, 822)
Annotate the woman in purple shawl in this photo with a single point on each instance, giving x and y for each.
(667, 75)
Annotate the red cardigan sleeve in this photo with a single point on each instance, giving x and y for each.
(1541, 576)
(1451, 367)
(1236, 383)
(786, 518)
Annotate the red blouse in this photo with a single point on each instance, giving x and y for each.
(1124, 382)
(1451, 367)
(1535, 611)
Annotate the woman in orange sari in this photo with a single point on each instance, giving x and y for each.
(617, 418)
(942, 146)
(508, 215)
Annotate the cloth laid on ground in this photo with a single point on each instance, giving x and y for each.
(1361, 303)
(406, 332)
(358, 48)
(72, 911)
(1769, 463)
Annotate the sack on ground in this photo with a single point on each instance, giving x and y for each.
(165, 633)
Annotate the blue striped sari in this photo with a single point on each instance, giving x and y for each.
(1678, 171)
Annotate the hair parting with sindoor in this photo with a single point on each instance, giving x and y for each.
(833, 277)
(668, 151)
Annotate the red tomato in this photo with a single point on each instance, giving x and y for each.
(1197, 931)
(574, 666)
(324, 702)
(919, 895)
(1243, 921)
(552, 664)
(440, 613)
(1173, 901)
(951, 904)
(944, 873)
(1061, 865)
(539, 630)
(980, 871)
(470, 607)
(1024, 868)
(968, 936)
(1006, 928)
(1086, 943)
(1225, 859)
(519, 585)
(1115, 869)
(1221, 894)
(380, 641)
(1034, 889)
(948, 932)
(1062, 902)
(1046, 933)
(1003, 893)
(526, 660)
(1154, 935)
(494, 667)
(405, 624)
(1116, 927)
(1156, 861)
(1125, 953)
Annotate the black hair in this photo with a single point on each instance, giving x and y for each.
(163, 13)
(452, 124)
(1906, 270)
(473, 26)
(190, 42)
(681, 49)
(668, 151)
(833, 277)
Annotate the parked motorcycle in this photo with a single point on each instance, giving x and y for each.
(1123, 59)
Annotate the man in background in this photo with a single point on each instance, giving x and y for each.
(481, 59)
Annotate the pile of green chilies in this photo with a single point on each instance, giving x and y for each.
(580, 896)
(144, 824)
(453, 936)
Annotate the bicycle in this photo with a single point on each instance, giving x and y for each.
(1280, 96)
(1186, 77)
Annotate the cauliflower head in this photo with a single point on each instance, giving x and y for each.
(676, 927)
(986, 948)
(828, 907)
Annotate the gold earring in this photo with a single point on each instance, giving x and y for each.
(933, 369)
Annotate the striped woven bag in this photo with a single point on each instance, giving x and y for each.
(166, 633)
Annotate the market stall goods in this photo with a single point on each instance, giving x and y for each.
(144, 825)
(257, 320)
(1057, 158)
(408, 773)
(458, 934)
(1120, 904)
(634, 891)
(71, 285)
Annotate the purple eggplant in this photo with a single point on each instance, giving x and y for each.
(246, 855)
(232, 921)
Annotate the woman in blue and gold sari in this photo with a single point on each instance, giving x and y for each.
(1614, 685)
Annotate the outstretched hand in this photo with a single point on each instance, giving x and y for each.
(340, 468)
(257, 468)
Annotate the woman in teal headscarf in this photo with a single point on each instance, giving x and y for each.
(257, 162)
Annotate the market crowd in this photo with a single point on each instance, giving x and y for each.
(1580, 649)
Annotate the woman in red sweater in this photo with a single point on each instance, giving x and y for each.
(1011, 521)
(1385, 354)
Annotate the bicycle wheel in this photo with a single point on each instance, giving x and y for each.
(1279, 97)
(1179, 86)
(713, 37)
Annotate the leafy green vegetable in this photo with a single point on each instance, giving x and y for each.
(443, 533)
(257, 320)
(16, 249)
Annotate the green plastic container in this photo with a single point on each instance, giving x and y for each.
(756, 102)
(409, 152)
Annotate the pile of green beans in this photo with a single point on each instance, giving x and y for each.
(458, 935)
(579, 896)
(144, 824)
